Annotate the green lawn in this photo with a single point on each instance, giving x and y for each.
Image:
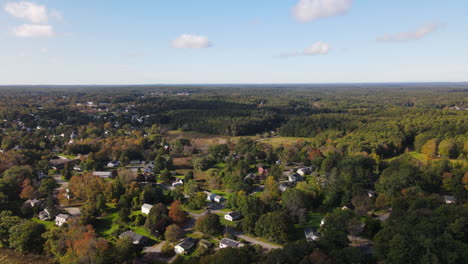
(313, 220)
(225, 222)
(220, 192)
(105, 225)
(48, 224)
(67, 156)
(193, 211)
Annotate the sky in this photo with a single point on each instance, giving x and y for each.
(223, 41)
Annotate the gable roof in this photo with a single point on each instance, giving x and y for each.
(134, 236)
(62, 216)
(187, 244)
(147, 206)
(234, 214)
(229, 242)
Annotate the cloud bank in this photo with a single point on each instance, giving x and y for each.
(308, 10)
(413, 35)
(33, 31)
(318, 48)
(187, 41)
(28, 10)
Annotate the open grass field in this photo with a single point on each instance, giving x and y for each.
(203, 141)
(423, 159)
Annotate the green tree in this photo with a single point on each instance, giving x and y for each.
(209, 224)
(165, 176)
(276, 226)
(173, 233)
(7, 221)
(271, 192)
(448, 148)
(334, 232)
(124, 251)
(26, 237)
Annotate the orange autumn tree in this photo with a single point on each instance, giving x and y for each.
(87, 186)
(83, 246)
(176, 213)
(27, 190)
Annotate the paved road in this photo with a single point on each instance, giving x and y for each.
(267, 246)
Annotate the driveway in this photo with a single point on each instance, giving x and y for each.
(267, 246)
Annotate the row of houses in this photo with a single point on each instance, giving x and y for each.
(189, 244)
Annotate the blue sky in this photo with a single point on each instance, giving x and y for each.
(242, 41)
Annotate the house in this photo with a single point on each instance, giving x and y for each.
(210, 196)
(311, 234)
(348, 207)
(77, 168)
(113, 164)
(179, 182)
(232, 216)
(278, 162)
(449, 199)
(219, 199)
(322, 222)
(295, 177)
(103, 174)
(262, 170)
(370, 193)
(304, 171)
(61, 219)
(185, 246)
(59, 163)
(137, 162)
(41, 175)
(137, 239)
(226, 242)
(146, 208)
(44, 215)
(33, 202)
(283, 187)
(68, 194)
(251, 176)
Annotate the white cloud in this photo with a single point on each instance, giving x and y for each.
(318, 48)
(33, 31)
(413, 35)
(56, 14)
(28, 10)
(308, 10)
(44, 50)
(187, 41)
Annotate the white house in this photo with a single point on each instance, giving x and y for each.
(44, 215)
(113, 164)
(137, 239)
(311, 234)
(304, 171)
(102, 174)
(449, 199)
(322, 222)
(61, 219)
(219, 199)
(146, 208)
(179, 182)
(226, 242)
(185, 246)
(232, 216)
(294, 177)
(33, 202)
